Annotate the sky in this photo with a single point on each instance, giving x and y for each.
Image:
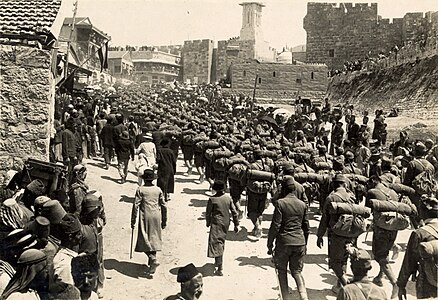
(167, 22)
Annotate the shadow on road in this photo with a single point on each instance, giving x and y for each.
(255, 261)
(202, 217)
(198, 203)
(184, 180)
(116, 180)
(96, 164)
(241, 236)
(126, 268)
(319, 259)
(127, 199)
(193, 192)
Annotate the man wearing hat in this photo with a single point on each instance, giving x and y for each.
(191, 284)
(218, 218)
(124, 149)
(166, 168)
(78, 189)
(69, 142)
(33, 190)
(415, 263)
(418, 165)
(337, 245)
(383, 240)
(290, 229)
(148, 148)
(107, 137)
(361, 288)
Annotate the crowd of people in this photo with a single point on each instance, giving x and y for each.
(52, 240)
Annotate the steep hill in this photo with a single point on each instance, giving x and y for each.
(411, 87)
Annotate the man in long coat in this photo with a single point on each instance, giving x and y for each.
(152, 218)
(166, 168)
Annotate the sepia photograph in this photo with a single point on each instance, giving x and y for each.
(218, 149)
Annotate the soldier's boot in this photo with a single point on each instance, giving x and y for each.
(378, 279)
(219, 270)
(386, 268)
(299, 279)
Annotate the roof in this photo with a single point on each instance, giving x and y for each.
(22, 21)
(85, 22)
(156, 60)
(116, 54)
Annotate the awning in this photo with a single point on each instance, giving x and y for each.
(73, 66)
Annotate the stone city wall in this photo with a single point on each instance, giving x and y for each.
(342, 32)
(197, 59)
(284, 77)
(26, 105)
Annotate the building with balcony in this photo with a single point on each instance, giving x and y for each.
(120, 64)
(85, 40)
(154, 66)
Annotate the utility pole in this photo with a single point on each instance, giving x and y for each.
(75, 9)
(253, 96)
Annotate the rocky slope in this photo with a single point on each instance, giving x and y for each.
(411, 87)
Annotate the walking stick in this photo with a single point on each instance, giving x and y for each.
(132, 242)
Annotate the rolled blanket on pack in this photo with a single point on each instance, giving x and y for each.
(237, 172)
(270, 154)
(301, 177)
(310, 177)
(247, 147)
(211, 145)
(349, 208)
(357, 178)
(322, 165)
(201, 138)
(273, 146)
(237, 160)
(392, 206)
(303, 150)
(219, 153)
(428, 249)
(257, 175)
(402, 189)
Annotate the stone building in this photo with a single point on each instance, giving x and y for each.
(86, 39)
(337, 33)
(279, 81)
(27, 84)
(249, 45)
(197, 57)
(120, 64)
(155, 66)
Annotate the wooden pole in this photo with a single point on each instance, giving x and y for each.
(67, 54)
(253, 97)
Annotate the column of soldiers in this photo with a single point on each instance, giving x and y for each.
(346, 169)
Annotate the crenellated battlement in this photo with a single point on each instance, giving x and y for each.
(340, 32)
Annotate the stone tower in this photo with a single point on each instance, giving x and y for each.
(252, 21)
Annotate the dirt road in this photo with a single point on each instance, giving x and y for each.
(248, 271)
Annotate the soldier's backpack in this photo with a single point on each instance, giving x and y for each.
(428, 252)
(350, 224)
(424, 183)
(188, 140)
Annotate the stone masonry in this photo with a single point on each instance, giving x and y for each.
(26, 105)
(197, 57)
(342, 32)
(280, 81)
